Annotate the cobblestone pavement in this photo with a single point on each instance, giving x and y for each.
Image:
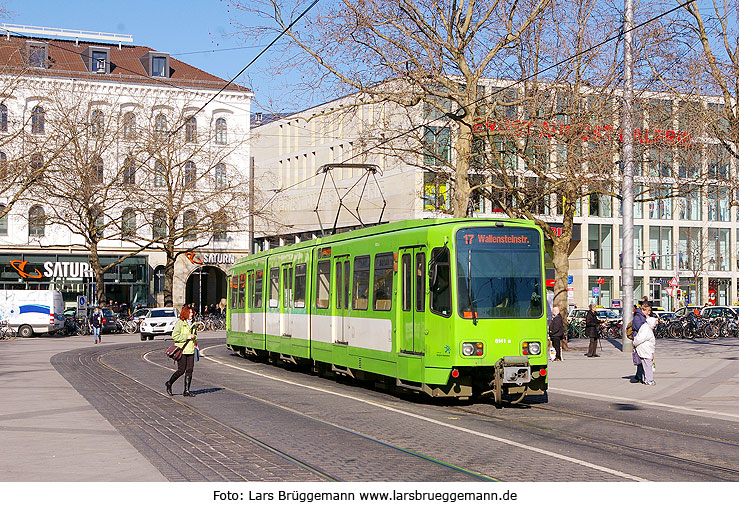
(213, 436)
(353, 433)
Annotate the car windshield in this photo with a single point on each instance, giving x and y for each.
(499, 273)
(162, 313)
(607, 314)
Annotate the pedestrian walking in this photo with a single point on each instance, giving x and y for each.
(556, 332)
(97, 325)
(640, 317)
(591, 330)
(645, 343)
(185, 336)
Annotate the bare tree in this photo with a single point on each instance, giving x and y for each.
(192, 191)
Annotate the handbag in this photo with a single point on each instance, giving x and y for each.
(174, 352)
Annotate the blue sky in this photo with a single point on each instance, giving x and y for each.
(174, 26)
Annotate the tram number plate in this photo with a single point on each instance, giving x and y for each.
(502, 340)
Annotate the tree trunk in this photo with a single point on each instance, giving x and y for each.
(461, 197)
(97, 270)
(169, 276)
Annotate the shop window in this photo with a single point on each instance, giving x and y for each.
(600, 290)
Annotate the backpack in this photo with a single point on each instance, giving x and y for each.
(630, 331)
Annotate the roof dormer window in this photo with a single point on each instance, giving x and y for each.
(37, 54)
(156, 64)
(97, 59)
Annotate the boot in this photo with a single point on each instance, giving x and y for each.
(188, 380)
(168, 384)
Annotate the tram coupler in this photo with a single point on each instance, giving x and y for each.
(510, 372)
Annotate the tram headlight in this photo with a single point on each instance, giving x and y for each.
(472, 348)
(534, 348)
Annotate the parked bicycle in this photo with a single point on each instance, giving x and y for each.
(7, 332)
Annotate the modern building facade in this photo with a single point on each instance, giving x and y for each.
(135, 102)
(685, 238)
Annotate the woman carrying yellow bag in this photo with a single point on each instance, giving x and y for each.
(185, 336)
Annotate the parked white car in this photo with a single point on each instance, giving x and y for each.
(159, 321)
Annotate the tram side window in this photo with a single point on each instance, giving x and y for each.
(300, 286)
(361, 283)
(420, 282)
(339, 283)
(251, 289)
(323, 284)
(287, 286)
(274, 287)
(441, 294)
(406, 272)
(242, 290)
(382, 292)
(258, 290)
(347, 284)
(234, 291)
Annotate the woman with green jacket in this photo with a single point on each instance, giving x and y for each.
(185, 336)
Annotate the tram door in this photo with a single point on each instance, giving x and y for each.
(412, 300)
(287, 300)
(341, 308)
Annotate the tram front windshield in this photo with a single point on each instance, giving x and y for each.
(499, 273)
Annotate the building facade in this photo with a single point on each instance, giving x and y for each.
(134, 122)
(685, 238)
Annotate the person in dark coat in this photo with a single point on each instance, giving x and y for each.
(591, 330)
(556, 332)
(640, 317)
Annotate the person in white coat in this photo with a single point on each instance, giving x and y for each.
(645, 344)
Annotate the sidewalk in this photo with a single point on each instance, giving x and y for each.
(51, 433)
(694, 377)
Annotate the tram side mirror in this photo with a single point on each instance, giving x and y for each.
(432, 275)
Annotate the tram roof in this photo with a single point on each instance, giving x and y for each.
(382, 229)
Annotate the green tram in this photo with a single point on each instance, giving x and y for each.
(449, 307)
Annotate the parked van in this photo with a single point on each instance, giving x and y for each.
(32, 311)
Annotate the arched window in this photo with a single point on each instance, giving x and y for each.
(221, 131)
(219, 231)
(190, 174)
(36, 221)
(3, 165)
(3, 222)
(159, 224)
(3, 117)
(37, 120)
(37, 165)
(129, 126)
(160, 174)
(129, 171)
(98, 222)
(220, 175)
(96, 123)
(189, 222)
(159, 279)
(97, 171)
(191, 130)
(128, 222)
(160, 126)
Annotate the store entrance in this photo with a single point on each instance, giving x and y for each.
(206, 286)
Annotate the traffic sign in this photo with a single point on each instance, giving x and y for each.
(668, 290)
(570, 279)
(82, 306)
(673, 282)
(596, 291)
